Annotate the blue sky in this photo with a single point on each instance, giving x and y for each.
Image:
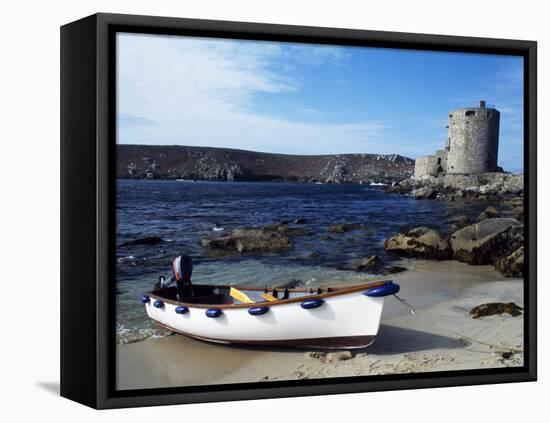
(307, 99)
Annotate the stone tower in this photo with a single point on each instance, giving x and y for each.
(472, 142)
(471, 147)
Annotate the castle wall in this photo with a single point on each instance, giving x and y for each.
(431, 165)
(473, 140)
(442, 159)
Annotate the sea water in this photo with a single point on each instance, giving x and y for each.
(181, 212)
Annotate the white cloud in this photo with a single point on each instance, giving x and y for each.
(197, 91)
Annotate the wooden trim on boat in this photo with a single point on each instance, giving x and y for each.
(331, 292)
(336, 342)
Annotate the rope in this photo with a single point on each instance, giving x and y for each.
(467, 338)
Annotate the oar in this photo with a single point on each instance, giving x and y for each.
(240, 296)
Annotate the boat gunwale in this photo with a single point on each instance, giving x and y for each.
(332, 292)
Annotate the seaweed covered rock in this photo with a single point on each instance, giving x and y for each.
(484, 242)
(419, 242)
(250, 241)
(511, 265)
(490, 309)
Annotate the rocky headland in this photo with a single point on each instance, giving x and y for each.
(224, 164)
(497, 186)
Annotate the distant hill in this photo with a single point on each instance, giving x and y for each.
(224, 164)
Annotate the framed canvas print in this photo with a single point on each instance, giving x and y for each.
(256, 211)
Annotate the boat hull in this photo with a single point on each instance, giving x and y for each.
(349, 320)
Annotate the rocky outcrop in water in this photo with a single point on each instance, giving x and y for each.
(485, 186)
(371, 264)
(224, 164)
(249, 241)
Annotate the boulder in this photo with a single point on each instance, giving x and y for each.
(250, 241)
(511, 265)
(419, 242)
(491, 212)
(344, 227)
(460, 222)
(390, 270)
(425, 193)
(483, 242)
(370, 264)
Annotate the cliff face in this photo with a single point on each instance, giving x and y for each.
(223, 164)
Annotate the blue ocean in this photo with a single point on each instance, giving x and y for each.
(181, 212)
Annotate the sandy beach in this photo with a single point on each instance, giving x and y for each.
(441, 335)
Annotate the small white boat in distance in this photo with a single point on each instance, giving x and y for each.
(378, 184)
(329, 317)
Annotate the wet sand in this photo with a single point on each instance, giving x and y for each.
(439, 336)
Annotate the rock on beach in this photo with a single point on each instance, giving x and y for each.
(483, 242)
(419, 242)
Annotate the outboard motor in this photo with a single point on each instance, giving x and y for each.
(183, 269)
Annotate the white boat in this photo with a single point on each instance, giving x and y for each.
(330, 317)
(378, 184)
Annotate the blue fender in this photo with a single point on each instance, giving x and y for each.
(389, 288)
(158, 304)
(311, 303)
(145, 299)
(213, 312)
(258, 311)
(181, 309)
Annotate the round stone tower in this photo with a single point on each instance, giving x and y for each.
(472, 142)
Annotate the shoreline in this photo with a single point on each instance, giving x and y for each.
(440, 336)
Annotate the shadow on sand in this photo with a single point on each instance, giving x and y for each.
(390, 340)
(396, 340)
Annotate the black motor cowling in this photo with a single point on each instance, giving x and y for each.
(182, 267)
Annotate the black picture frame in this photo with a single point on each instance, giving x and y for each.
(87, 209)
